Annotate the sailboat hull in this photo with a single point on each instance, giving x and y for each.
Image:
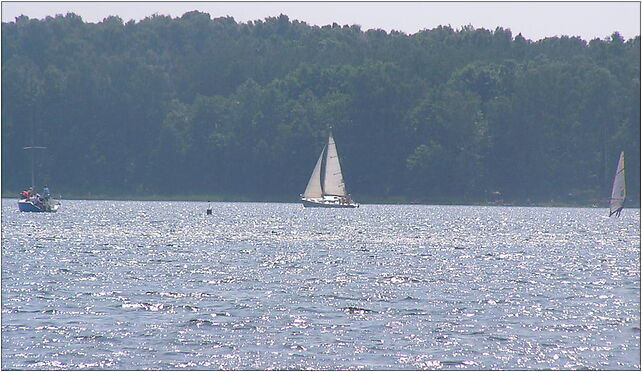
(28, 206)
(327, 204)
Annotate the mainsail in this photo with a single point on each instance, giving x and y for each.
(333, 179)
(313, 190)
(618, 194)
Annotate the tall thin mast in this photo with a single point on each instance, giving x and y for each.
(33, 176)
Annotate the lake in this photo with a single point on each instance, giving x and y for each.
(161, 285)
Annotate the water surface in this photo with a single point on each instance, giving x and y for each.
(161, 285)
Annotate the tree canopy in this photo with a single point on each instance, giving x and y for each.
(209, 106)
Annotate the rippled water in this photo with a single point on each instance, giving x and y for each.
(160, 285)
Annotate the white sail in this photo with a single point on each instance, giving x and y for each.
(313, 190)
(333, 180)
(618, 194)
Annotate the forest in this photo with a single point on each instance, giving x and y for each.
(206, 107)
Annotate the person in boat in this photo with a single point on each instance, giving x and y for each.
(24, 194)
(31, 192)
(45, 190)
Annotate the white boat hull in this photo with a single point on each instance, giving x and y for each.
(327, 203)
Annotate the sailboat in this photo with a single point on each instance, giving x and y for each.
(618, 194)
(326, 188)
(30, 201)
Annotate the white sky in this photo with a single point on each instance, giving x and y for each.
(534, 20)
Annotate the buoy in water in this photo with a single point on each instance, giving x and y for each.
(209, 209)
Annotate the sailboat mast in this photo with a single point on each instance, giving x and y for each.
(33, 174)
(333, 181)
(618, 193)
(33, 162)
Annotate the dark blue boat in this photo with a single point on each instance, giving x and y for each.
(26, 205)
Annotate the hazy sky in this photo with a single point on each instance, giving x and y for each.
(534, 20)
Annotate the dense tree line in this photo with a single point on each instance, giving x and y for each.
(202, 106)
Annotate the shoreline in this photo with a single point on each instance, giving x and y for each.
(363, 201)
